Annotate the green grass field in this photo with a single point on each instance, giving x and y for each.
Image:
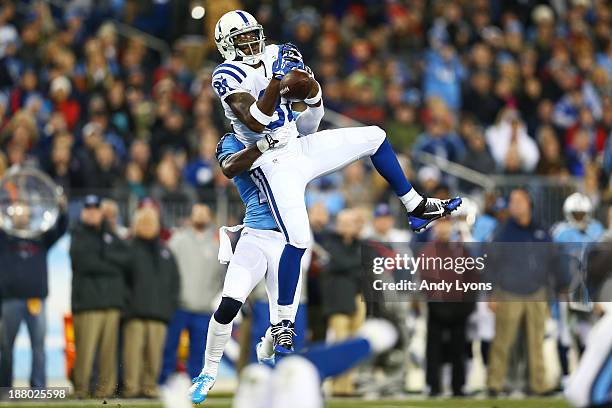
(349, 403)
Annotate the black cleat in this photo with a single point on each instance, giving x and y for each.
(282, 335)
(431, 209)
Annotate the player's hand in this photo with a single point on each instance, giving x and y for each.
(288, 58)
(309, 71)
(292, 53)
(281, 135)
(274, 140)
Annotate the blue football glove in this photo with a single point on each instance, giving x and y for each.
(289, 58)
(292, 52)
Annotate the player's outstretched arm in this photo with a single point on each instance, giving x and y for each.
(241, 104)
(240, 161)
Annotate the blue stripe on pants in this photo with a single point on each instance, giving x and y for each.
(602, 387)
(258, 173)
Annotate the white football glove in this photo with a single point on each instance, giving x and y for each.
(275, 139)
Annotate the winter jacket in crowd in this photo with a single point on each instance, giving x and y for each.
(153, 281)
(99, 259)
(23, 262)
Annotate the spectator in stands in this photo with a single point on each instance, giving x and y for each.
(341, 293)
(195, 249)
(382, 228)
(106, 169)
(23, 290)
(21, 132)
(429, 179)
(60, 91)
(443, 75)
(120, 117)
(580, 153)
(133, 186)
(440, 140)
(110, 211)
(521, 290)
(479, 98)
(199, 173)
(586, 123)
(175, 197)
(552, 162)
(153, 283)
(477, 156)
(169, 133)
(403, 128)
(512, 148)
(98, 259)
(62, 166)
(448, 313)
(356, 189)
(140, 154)
(529, 99)
(98, 115)
(578, 95)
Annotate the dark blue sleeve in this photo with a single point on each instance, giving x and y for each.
(227, 146)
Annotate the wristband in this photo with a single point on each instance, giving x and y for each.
(315, 99)
(259, 115)
(264, 144)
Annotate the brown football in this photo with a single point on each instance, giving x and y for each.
(296, 85)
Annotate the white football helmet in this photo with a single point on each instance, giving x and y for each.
(237, 23)
(577, 209)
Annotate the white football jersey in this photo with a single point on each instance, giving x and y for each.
(233, 76)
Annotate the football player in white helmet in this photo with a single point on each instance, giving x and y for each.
(248, 85)
(578, 209)
(574, 236)
(239, 37)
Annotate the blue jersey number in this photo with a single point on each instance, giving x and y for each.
(221, 86)
(284, 113)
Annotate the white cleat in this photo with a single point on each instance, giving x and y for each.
(202, 384)
(265, 349)
(262, 356)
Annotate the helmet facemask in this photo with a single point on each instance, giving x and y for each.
(579, 219)
(249, 44)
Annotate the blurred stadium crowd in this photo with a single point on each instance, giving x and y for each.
(500, 87)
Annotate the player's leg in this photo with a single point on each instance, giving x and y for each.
(265, 348)
(283, 182)
(331, 150)
(274, 251)
(247, 267)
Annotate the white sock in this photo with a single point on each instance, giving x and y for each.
(411, 200)
(285, 312)
(216, 339)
